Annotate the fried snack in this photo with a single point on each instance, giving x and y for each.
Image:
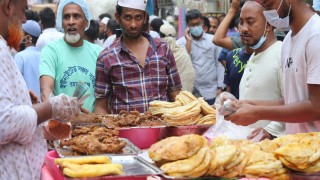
(263, 164)
(94, 140)
(213, 164)
(176, 148)
(220, 141)
(208, 119)
(299, 156)
(86, 118)
(185, 97)
(267, 145)
(188, 121)
(206, 108)
(133, 119)
(164, 104)
(91, 170)
(185, 165)
(197, 170)
(227, 156)
(183, 115)
(84, 160)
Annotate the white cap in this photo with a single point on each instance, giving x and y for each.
(168, 30)
(170, 19)
(152, 17)
(133, 4)
(105, 20)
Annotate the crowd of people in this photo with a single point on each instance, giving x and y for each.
(262, 52)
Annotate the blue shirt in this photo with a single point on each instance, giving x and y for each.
(236, 62)
(28, 62)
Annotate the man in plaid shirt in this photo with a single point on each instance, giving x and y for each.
(136, 69)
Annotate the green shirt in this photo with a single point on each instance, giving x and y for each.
(68, 65)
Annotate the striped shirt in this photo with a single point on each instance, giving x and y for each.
(128, 85)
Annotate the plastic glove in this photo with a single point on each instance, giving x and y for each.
(64, 107)
(225, 104)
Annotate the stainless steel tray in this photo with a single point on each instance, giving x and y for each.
(133, 166)
(66, 151)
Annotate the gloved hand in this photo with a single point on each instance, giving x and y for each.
(225, 103)
(64, 107)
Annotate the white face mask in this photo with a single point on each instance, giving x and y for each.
(273, 18)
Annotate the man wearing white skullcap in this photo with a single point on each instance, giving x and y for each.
(136, 69)
(28, 60)
(67, 61)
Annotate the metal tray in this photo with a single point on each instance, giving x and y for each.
(129, 149)
(133, 166)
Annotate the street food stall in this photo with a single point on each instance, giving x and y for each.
(132, 145)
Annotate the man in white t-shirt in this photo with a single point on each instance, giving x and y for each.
(261, 79)
(300, 57)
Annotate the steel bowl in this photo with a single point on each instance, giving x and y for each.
(183, 130)
(142, 137)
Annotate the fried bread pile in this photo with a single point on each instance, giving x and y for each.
(133, 118)
(300, 152)
(186, 110)
(89, 140)
(187, 156)
(190, 156)
(91, 166)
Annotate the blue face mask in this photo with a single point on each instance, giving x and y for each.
(261, 40)
(259, 44)
(196, 31)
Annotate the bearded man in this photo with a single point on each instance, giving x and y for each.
(68, 60)
(136, 68)
(22, 146)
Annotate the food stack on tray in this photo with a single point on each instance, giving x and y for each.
(88, 140)
(186, 110)
(91, 166)
(190, 156)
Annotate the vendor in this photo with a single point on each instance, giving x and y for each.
(136, 69)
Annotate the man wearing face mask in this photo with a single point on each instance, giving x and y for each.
(28, 60)
(261, 79)
(300, 70)
(209, 72)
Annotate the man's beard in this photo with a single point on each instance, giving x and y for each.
(15, 33)
(132, 36)
(102, 36)
(71, 38)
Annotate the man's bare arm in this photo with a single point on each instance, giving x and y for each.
(46, 87)
(173, 94)
(101, 106)
(220, 37)
(303, 111)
